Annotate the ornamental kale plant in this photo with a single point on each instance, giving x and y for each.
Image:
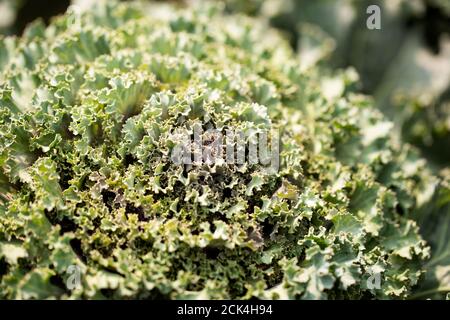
(91, 109)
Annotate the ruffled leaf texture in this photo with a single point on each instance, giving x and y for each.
(90, 110)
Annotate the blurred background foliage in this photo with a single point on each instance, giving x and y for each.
(405, 66)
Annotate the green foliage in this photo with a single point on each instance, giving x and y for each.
(91, 108)
(405, 65)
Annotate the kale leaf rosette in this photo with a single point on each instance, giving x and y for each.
(93, 205)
